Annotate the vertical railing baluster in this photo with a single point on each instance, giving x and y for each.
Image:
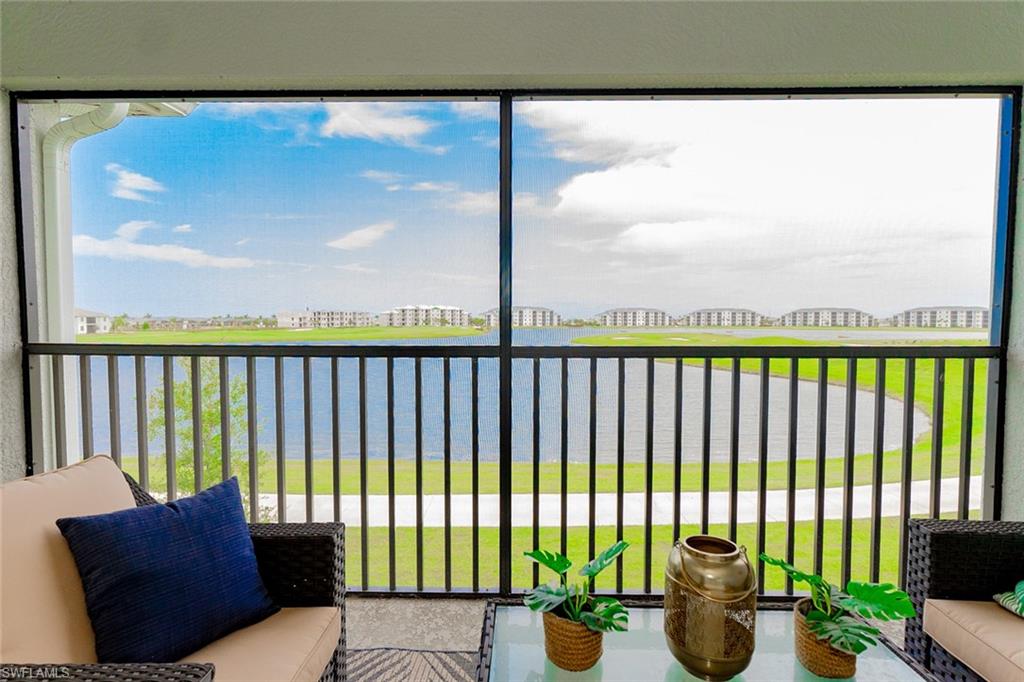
(907, 472)
(536, 465)
(848, 471)
(876, 470)
(819, 478)
(335, 441)
(791, 451)
(475, 453)
(762, 472)
(60, 435)
(677, 451)
(282, 490)
(142, 421)
(705, 455)
(307, 435)
(620, 481)
(225, 419)
(564, 453)
(197, 424)
(649, 476)
(170, 424)
(938, 407)
(392, 565)
(114, 408)
(253, 445)
(734, 448)
(592, 482)
(364, 501)
(446, 367)
(966, 426)
(418, 372)
(85, 390)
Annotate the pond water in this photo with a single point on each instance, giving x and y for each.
(550, 406)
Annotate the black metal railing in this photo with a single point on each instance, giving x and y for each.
(576, 445)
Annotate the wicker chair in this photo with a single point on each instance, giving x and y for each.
(966, 560)
(302, 565)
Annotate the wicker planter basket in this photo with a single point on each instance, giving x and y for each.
(818, 656)
(569, 645)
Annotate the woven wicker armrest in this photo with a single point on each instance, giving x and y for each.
(302, 564)
(949, 559)
(108, 672)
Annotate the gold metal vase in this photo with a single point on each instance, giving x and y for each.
(710, 606)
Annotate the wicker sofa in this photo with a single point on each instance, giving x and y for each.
(45, 629)
(953, 569)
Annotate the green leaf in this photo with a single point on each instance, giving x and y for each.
(545, 597)
(877, 600)
(607, 615)
(1019, 590)
(795, 573)
(553, 560)
(604, 559)
(843, 632)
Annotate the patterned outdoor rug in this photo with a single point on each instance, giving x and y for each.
(385, 665)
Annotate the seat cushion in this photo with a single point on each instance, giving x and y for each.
(984, 636)
(293, 645)
(162, 580)
(42, 606)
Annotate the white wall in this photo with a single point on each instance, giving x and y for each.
(1013, 464)
(12, 433)
(240, 45)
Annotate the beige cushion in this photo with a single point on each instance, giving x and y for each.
(42, 606)
(293, 645)
(983, 635)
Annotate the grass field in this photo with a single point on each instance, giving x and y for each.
(577, 541)
(273, 335)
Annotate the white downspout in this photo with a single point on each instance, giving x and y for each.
(57, 282)
(59, 277)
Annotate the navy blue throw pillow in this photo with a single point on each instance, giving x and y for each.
(164, 580)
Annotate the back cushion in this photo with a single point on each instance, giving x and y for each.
(42, 606)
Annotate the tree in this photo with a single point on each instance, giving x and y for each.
(209, 428)
(119, 322)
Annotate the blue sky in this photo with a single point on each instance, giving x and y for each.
(258, 208)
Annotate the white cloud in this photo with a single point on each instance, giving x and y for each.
(243, 241)
(487, 111)
(476, 203)
(393, 188)
(131, 185)
(120, 248)
(357, 268)
(130, 230)
(381, 176)
(428, 186)
(184, 227)
(394, 122)
(363, 237)
(240, 109)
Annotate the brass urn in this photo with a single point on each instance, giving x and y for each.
(710, 606)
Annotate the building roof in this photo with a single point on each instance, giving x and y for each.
(976, 308)
(82, 312)
(726, 310)
(633, 310)
(824, 310)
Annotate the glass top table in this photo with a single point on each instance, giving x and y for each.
(512, 649)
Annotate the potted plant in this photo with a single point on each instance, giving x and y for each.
(575, 620)
(828, 634)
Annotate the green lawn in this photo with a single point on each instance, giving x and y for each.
(633, 559)
(272, 335)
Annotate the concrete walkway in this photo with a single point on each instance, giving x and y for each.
(633, 506)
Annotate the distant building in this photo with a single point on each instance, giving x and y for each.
(827, 317)
(633, 317)
(967, 317)
(324, 319)
(723, 317)
(91, 322)
(424, 315)
(526, 316)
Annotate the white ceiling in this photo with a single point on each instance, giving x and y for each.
(241, 44)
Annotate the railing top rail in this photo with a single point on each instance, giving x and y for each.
(493, 351)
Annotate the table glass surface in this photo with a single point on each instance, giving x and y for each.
(641, 653)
